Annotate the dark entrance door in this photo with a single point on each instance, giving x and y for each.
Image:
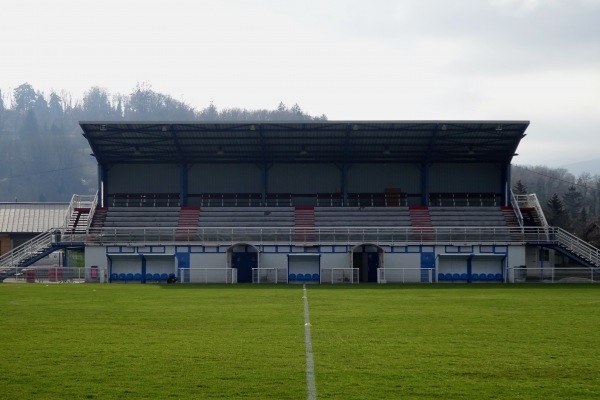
(244, 262)
(373, 265)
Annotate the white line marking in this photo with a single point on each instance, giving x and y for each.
(311, 387)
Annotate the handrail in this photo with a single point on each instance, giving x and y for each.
(531, 201)
(69, 212)
(26, 250)
(91, 213)
(577, 246)
(80, 201)
(515, 205)
(330, 235)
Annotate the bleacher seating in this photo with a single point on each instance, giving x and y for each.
(141, 217)
(464, 199)
(226, 199)
(145, 199)
(467, 216)
(362, 216)
(246, 217)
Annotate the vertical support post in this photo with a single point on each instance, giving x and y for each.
(183, 184)
(344, 183)
(264, 182)
(143, 271)
(102, 177)
(505, 184)
(424, 184)
(469, 268)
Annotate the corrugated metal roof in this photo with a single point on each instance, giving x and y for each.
(329, 141)
(31, 217)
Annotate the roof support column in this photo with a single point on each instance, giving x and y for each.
(183, 184)
(101, 184)
(344, 183)
(264, 182)
(505, 171)
(424, 184)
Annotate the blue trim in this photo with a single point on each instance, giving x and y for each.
(143, 274)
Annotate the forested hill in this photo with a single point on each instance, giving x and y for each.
(570, 202)
(44, 157)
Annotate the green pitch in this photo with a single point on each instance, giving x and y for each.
(369, 342)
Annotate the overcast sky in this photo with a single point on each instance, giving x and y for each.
(536, 60)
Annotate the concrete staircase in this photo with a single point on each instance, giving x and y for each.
(304, 222)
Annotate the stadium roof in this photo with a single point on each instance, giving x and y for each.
(304, 141)
(31, 217)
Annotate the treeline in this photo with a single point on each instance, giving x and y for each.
(570, 202)
(44, 157)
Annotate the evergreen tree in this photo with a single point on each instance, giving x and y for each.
(25, 98)
(556, 213)
(519, 188)
(573, 202)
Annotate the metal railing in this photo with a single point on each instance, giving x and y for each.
(269, 275)
(93, 206)
(81, 201)
(207, 275)
(531, 201)
(27, 250)
(60, 275)
(577, 246)
(328, 235)
(515, 205)
(405, 275)
(553, 275)
(340, 275)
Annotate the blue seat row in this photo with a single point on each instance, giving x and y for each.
(304, 277)
(474, 277)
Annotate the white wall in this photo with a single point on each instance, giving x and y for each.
(95, 255)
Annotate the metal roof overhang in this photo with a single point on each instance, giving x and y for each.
(304, 142)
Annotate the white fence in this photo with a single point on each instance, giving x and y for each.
(339, 275)
(553, 275)
(59, 275)
(269, 275)
(405, 275)
(207, 275)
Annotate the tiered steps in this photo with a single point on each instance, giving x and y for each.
(142, 217)
(187, 222)
(511, 220)
(304, 222)
(362, 216)
(421, 219)
(78, 220)
(246, 217)
(467, 216)
(509, 216)
(530, 217)
(98, 220)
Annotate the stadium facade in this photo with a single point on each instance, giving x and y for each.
(309, 202)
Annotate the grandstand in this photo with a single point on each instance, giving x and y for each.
(308, 202)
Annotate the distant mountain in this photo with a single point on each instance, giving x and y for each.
(591, 166)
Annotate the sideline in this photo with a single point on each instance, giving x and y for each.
(311, 386)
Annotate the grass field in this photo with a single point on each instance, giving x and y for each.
(369, 342)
